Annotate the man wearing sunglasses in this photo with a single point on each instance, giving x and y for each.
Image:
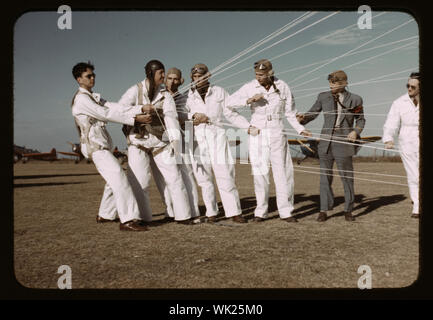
(403, 119)
(211, 156)
(156, 142)
(91, 113)
(341, 109)
(270, 100)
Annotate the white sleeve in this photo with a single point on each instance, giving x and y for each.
(187, 107)
(232, 115)
(290, 112)
(129, 98)
(239, 98)
(392, 123)
(112, 111)
(170, 118)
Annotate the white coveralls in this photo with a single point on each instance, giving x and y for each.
(211, 153)
(184, 164)
(270, 146)
(403, 118)
(118, 199)
(139, 161)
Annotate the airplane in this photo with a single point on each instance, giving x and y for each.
(76, 152)
(309, 147)
(47, 156)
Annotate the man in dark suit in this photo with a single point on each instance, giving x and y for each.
(340, 109)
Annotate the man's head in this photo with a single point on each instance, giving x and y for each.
(155, 72)
(83, 73)
(200, 75)
(173, 79)
(264, 72)
(337, 81)
(413, 84)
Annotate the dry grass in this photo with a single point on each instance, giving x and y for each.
(55, 205)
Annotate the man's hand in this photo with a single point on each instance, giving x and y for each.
(147, 108)
(300, 117)
(143, 118)
(199, 118)
(389, 145)
(253, 131)
(306, 133)
(352, 136)
(255, 98)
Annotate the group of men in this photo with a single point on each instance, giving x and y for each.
(180, 140)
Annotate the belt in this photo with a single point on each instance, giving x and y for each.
(271, 117)
(151, 151)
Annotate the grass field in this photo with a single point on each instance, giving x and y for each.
(55, 205)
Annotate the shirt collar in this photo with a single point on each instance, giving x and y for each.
(209, 91)
(96, 96)
(271, 89)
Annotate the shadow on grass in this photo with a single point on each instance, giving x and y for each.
(372, 204)
(46, 184)
(39, 176)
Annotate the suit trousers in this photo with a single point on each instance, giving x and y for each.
(118, 199)
(139, 162)
(270, 147)
(345, 170)
(411, 165)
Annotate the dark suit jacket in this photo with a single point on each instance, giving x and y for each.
(325, 102)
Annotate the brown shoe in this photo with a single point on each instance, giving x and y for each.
(239, 219)
(258, 219)
(102, 220)
(415, 215)
(187, 222)
(322, 216)
(166, 220)
(348, 216)
(212, 219)
(133, 225)
(290, 219)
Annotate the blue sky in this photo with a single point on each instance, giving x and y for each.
(120, 44)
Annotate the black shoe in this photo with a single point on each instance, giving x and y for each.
(415, 215)
(133, 225)
(258, 219)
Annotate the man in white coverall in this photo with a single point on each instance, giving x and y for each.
(173, 80)
(211, 154)
(403, 119)
(270, 100)
(157, 140)
(91, 114)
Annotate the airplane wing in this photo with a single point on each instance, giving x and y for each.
(69, 153)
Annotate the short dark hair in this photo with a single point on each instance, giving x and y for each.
(415, 75)
(81, 67)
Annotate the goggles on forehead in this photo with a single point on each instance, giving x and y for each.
(200, 70)
(260, 66)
